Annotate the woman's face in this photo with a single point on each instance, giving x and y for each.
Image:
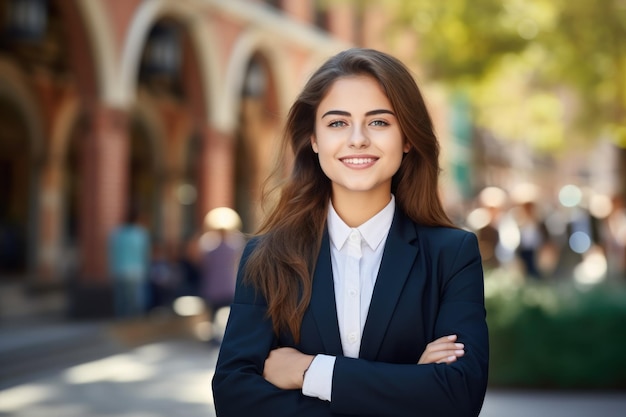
(358, 138)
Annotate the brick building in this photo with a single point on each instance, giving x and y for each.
(170, 106)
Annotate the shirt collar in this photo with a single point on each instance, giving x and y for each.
(372, 231)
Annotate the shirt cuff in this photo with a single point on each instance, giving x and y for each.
(318, 380)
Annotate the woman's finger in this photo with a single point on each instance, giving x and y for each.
(444, 346)
(442, 350)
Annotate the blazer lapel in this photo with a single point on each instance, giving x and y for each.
(398, 257)
(323, 303)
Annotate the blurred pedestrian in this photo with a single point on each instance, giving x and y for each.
(358, 297)
(129, 256)
(220, 250)
(485, 221)
(188, 267)
(164, 279)
(534, 237)
(613, 233)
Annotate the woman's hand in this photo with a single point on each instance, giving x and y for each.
(442, 350)
(285, 368)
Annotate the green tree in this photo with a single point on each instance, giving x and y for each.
(588, 54)
(534, 51)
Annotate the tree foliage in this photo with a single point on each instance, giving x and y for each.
(575, 51)
(588, 53)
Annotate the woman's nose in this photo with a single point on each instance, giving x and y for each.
(358, 138)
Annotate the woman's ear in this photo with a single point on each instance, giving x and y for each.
(314, 143)
(407, 147)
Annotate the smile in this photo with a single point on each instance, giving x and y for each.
(358, 161)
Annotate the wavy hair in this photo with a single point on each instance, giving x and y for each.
(281, 265)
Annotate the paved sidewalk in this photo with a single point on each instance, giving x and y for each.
(500, 403)
(33, 349)
(172, 378)
(165, 379)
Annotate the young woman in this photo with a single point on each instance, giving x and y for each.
(358, 297)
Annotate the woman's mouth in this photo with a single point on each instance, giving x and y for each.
(358, 161)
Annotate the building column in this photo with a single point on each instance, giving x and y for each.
(171, 207)
(49, 264)
(217, 171)
(103, 190)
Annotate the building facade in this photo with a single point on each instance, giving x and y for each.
(169, 107)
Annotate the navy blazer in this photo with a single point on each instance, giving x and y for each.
(430, 284)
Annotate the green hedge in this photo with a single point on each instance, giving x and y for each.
(556, 336)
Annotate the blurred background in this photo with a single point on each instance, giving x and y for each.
(145, 115)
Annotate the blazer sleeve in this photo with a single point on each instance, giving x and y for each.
(366, 388)
(239, 389)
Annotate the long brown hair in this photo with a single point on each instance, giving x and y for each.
(282, 264)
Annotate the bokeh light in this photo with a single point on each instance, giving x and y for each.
(492, 197)
(592, 270)
(186, 194)
(222, 218)
(600, 206)
(570, 196)
(580, 242)
(188, 306)
(478, 218)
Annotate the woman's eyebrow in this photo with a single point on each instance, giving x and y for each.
(379, 111)
(345, 113)
(336, 112)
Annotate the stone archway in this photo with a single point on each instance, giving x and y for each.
(257, 97)
(145, 169)
(202, 87)
(21, 146)
(256, 139)
(15, 179)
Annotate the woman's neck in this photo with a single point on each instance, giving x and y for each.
(355, 208)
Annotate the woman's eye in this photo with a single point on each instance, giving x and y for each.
(379, 123)
(337, 123)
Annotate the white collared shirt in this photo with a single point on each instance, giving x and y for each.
(356, 254)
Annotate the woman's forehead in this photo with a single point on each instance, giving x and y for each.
(360, 93)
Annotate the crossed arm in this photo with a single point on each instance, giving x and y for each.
(285, 367)
(253, 376)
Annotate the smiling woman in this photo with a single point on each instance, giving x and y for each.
(360, 146)
(358, 296)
